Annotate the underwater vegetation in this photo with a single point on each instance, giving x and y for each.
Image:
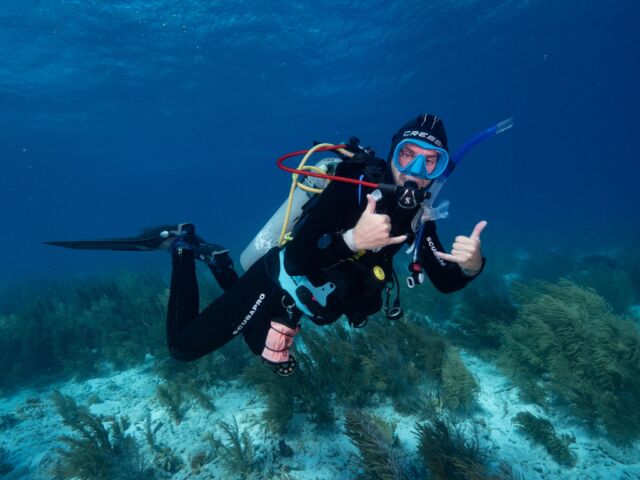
(541, 431)
(164, 458)
(379, 457)
(93, 451)
(234, 450)
(449, 451)
(459, 387)
(362, 367)
(567, 346)
(449, 448)
(75, 332)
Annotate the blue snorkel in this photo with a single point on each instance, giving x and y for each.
(497, 129)
(428, 212)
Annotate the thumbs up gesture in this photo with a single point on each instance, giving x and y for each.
(373, 230)
(466, 251)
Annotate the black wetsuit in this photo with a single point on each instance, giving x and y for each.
(318, 252)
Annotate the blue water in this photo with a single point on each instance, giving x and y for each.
(119, 115)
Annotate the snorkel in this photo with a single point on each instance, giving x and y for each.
(428, 212)
(441, 211)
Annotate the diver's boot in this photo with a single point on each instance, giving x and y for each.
(183, 238)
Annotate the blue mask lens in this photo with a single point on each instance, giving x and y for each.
(417, 167)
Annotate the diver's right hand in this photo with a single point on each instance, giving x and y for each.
(373, 230)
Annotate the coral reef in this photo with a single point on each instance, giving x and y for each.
(541, 431)
(566, 342)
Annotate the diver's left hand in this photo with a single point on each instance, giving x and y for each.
(466, 251)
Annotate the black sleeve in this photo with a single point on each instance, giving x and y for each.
(446, 276)
(335, 211)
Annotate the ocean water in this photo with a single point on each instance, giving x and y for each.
(121, 115)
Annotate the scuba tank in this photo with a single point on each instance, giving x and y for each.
(270, 234)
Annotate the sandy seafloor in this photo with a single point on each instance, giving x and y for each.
(32, 441)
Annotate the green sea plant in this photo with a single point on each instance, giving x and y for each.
(183, 380)
(567, 346)
(333, 363)
(171, 397)
(309, 390)
(358, 367)
(540, 430)
(379, 455)
(198, 461)
(235, 450)
(399, 356)
(164, 457)
(315, 393)
(451, 450)
(279, 395)
(95, 452)
(459, 387)
(75, 331)
(505, 471)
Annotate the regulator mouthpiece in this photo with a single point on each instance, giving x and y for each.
(410, 196)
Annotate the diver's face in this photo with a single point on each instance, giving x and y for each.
(406, 155)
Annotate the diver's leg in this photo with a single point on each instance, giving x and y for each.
(215, 256)
(222, 269)
(184, 295)
(247, 306)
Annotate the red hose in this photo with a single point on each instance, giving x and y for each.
(309, 173)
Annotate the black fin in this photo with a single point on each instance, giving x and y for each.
(150, 239)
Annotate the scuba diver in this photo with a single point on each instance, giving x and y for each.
(338, 261)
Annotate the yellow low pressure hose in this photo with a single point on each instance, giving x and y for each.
(295, 183)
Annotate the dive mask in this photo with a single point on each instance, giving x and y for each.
(409, 162)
